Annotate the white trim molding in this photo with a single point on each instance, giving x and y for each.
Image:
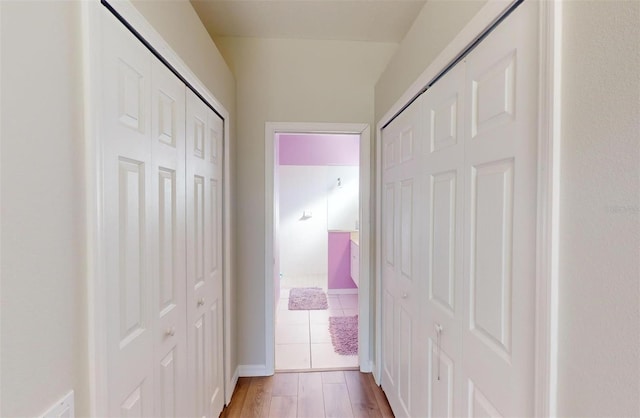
(251, 370)
(549, 131)
(342, 291)
(232, 386)
(546, 350)
(91, 41)
(364, 289)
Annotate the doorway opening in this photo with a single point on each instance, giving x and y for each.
(317, 285)
(316, 186)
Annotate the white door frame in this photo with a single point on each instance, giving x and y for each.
(94, 201)
(364, 288)
(547, 249)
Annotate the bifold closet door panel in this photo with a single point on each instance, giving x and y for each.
(442, 201)
(204, 257)
(125, 133)
(215, 387)
(501, 117)
(402, 282)
(167, 243)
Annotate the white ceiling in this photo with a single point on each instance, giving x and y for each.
(348, 20)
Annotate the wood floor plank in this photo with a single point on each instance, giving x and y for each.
(363, 401)
(283, 407)
(381, 399)
(310, 396)
(285, 384)
(258, 398)
(333, 377)
(336, 401)
(234, 408)
(357, 395)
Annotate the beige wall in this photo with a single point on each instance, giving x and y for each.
(180, 26)
(43, 309)
(599, 350)
(43, 290)
(286, 81)
(437, 24)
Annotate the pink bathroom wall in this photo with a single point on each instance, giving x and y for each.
(339, 273)
(319, 149)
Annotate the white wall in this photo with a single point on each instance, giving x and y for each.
(43, 290)
(286, 81)
(43, 309)
(303, 242)
(599, 353)
(343, 203)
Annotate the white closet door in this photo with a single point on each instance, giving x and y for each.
(215, 393)
(401, 280)
(442, 165)
(125, 137)
(167, 242)
(500, 219)
(204, 250)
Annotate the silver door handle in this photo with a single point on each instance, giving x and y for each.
(404, 296)
(170, 332)
(200, 301)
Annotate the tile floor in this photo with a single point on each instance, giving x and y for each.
(303, 341)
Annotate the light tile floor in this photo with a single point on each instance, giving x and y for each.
(303, 341)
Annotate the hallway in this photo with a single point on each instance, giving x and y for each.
(340, 394)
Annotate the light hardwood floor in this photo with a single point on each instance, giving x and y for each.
(336, 394)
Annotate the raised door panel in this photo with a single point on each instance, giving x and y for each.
(199, 371)
(442, 239)
(406, 228)
(133, 281)
(389, 338)
(490, 275)
(442, 380)
(405, 361)
(215, 387)
(133, 405)
(169, 387)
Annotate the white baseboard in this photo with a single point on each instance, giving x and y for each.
(366, 367)
(251, 370)
(232, 385)
(342, 291)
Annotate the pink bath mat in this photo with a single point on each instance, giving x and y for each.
(344, 334)
(307, 298)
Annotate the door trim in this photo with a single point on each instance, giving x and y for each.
(547, 229)
(96, 304)
(364, 289)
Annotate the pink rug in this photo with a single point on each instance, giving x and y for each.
(344, 334)
(307, 298)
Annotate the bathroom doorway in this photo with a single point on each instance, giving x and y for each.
(316, 186)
